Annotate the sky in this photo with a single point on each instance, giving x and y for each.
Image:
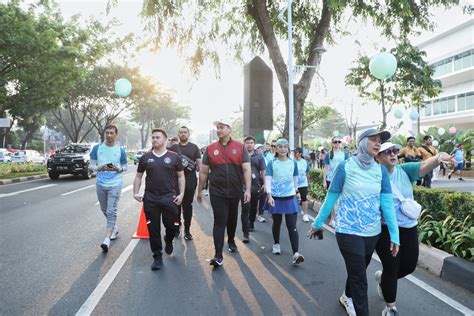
(211, 98)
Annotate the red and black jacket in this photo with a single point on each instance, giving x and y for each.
(226, 176)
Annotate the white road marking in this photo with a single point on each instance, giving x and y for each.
(2, 195)
(74, 191)
(99, 291)
(428, 288)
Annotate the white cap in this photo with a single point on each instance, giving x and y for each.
(223, 121)
(388, 145)
(257, 146)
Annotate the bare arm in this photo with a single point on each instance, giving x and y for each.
(203, 172)
(248, 180)
(181, 183)
(431, 163)
(199, 163)
(137, 182)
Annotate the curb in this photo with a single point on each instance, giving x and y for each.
(23, 179)
(450, 268)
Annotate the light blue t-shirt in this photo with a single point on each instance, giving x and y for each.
(303, 168)
(115, 155)
(458, 155)
(282, 173)
(358, 212)
(334, 162)
(402, 177)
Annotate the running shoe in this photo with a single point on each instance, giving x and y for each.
(115, 232)
(390, 311)
(276, 249)
(169, 248)
(297, 258)
(232, 247)
(347, 303)
(461, 179)
(306, 218)
(188, 236)
(378, 279)
(216, 262)
(261, 219)
(449, 176)
(105, 244)
(157, 264)
(246, 239)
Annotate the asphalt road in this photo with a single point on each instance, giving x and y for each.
(51, 263)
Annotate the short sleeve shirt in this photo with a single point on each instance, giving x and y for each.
(332, 163)
(458, 155)
(257, 163)
(161, 174)
(282, 173)
(115, 155)
(192, 152)
(303, 168)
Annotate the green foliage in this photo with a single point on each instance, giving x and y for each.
(13, 169)
(315, 187)
(446, 221)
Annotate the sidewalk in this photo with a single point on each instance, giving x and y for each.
(23, 179)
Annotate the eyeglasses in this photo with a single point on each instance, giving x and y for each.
(273, 146)
(336, 142)
(389, 152)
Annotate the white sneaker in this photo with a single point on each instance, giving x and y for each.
(105, 244)
(115, 232)
(261, 219)
(346, 302)
(306, 218)
(297, 258)
(390, 311)
(378, 279)
(276, 249)
(332, 223)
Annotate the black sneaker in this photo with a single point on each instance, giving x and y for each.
(188, 236)
(169, 248)
(233, 247)
(246, 239)
(216, 262)
(449, 176)
(461, 179)
(177, 233)
(157, 264)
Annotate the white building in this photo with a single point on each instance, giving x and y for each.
(452, 55)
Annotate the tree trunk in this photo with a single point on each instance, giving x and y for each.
(418, 120)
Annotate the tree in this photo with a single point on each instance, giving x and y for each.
(312, 115)
(411, 83)
(254, 25)
(335, 122)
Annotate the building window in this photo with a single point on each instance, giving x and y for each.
(470, 101)
(457, 62)
(461, 102)
(451, 104)
(428, 108)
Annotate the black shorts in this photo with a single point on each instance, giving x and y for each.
(303, 193)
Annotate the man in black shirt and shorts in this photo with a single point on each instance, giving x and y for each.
(164, 174)
(191, 160)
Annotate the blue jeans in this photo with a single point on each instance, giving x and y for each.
(108, 200)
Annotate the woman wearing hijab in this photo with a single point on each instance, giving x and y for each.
(281, 181)
(363, 189)
(402, 177)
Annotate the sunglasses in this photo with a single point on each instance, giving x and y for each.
(389, 152)
(273, 146)
(336, 142)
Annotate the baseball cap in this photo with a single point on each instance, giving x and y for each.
(385, 135)
(223, 121)
(257, 146)
(388, 145)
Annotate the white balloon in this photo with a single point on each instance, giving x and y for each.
(435, 143)
(441, 131)
(414, 115)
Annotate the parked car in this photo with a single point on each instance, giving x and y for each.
(5, 155)
(28, 156)
(138, 155)
(72, 159)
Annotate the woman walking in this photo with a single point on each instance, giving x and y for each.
(363, 189)
(402, 177)
(281, 180)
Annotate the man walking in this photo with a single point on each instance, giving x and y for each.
(258, 166)
(427, 151)
(109, 160)
(230, 168)
(164, 174)
(191, 160)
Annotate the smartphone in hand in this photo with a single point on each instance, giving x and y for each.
(110, 166)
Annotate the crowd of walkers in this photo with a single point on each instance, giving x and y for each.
(369, 198)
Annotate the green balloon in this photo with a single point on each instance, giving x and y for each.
(383, 65)
(335, 133)
(398, 114)
(123, 87)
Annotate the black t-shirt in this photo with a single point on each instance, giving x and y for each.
(257, 163)
(161, 174)
(189, 154)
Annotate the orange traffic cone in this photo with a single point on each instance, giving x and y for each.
(142, 229)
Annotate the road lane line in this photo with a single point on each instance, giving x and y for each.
(99, 291)
(74, 191)
(428, 288)
(2, 195)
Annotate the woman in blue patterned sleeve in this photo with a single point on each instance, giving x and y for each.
(363, 188)
(402, 177)
(281, 181)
